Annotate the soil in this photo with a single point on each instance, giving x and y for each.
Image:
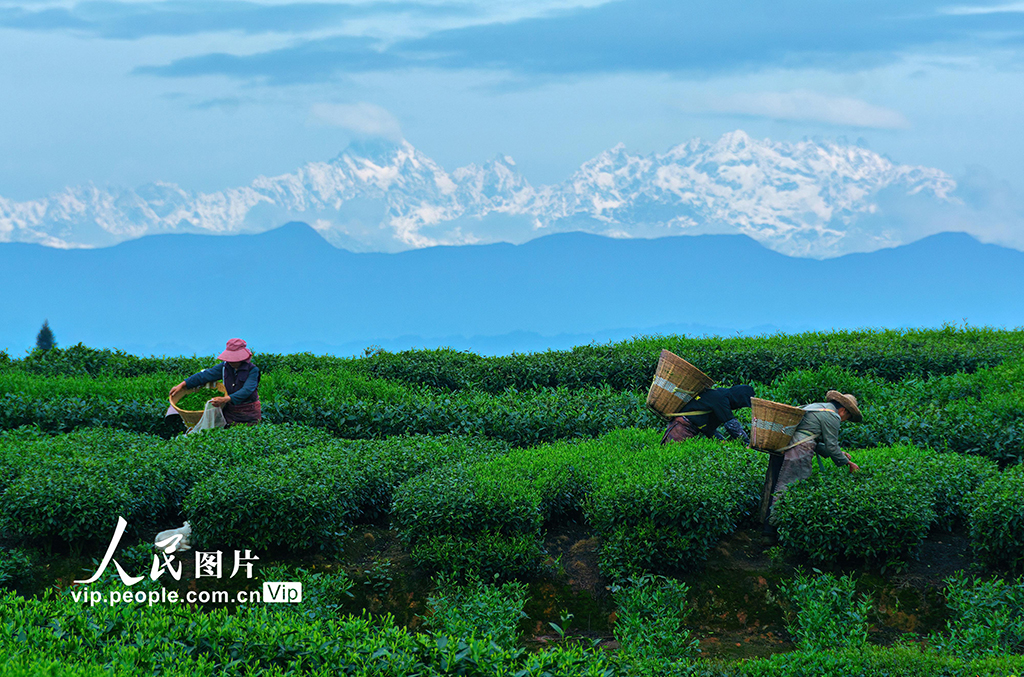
(575, 548)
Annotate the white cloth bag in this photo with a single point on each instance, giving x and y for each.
(213, 417)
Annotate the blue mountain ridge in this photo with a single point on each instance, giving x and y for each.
(288, 289)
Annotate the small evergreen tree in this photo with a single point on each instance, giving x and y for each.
(44, 339)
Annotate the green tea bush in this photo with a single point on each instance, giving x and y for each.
(664, 509)
(486, 554)
(996, 519)
(948, 478)
(369, 409)
(64, 414)
(23, 666)
(805, 386)
(382, 465)
(305, 492)
(190, 458)
(987, 617)
(18, 448)
(518, 418)
(287, 502)
(17, 568)
(325, 594)
(827, 613)
(81, 360)
(878, 514)
(70, 488)
(650, 627)
(477, 610)
(458, 500)
(77, 485)
(656, 507)
(561, 473)
(890, 355)
(870, 661)
(27, 445)
(950, 389)
(260, 639)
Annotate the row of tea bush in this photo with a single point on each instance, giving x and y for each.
(465, 502)
(891, 355)
(981, 413)
(888, 355)
(472, 630)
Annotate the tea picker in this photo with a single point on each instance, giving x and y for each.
(682, 395)
(794, 436)
(707, 411)
(236, 377)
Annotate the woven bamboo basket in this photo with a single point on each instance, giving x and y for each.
(772, 424)
(192, 417)
(676, 382)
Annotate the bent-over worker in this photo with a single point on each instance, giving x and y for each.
(712, 408)
(241, 381)
(817, 434)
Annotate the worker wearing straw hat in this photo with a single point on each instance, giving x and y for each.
(817, 434)
(241, 380)
(707, 411)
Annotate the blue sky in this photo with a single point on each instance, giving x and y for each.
(211, 94)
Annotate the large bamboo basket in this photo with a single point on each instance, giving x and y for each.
(676, 382)
(192, 417)
(772, 424)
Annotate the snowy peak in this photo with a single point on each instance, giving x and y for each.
(810, 198)
(376, 150)
(496, 186)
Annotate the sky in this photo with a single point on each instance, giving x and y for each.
(210, 94)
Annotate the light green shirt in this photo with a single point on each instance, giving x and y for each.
(824, 425)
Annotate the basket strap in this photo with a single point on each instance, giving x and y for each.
(689, 413)
(821, 466)
(798, 442)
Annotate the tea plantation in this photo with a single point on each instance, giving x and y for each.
(461, 473)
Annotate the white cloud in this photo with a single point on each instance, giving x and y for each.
(807, 106)
(991, 9)
(361, 118)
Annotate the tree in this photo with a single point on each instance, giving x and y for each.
(44, 339)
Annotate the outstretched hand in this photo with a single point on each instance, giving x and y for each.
(177, 389)
(220, 401)
(853, 466)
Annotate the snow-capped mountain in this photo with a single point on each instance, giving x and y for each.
(816, 199)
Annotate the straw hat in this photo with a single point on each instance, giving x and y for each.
(849, 402)
(236, 351)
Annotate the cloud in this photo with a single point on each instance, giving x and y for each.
(984, 9)
(803, 106)
(699, 39)
(312, 61)
(362, 118)
(230, 103)
(132, 21)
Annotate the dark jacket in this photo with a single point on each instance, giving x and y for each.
(720, 403)
(241, 385)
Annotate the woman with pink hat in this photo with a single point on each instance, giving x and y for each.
(241, 380)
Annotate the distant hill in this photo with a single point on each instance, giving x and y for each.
(288, 289)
